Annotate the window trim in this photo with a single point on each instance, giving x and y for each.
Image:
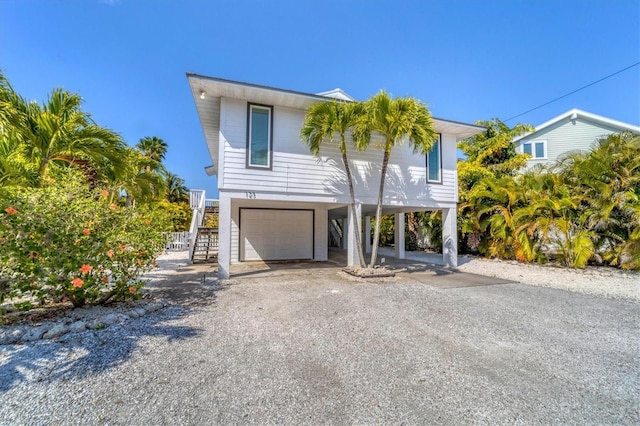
(533, 143)
(439, 180)
(269, 166)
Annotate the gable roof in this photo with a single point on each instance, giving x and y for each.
(575, 113)
(337, 94)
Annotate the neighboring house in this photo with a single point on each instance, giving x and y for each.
(571, 131)
(278, 202)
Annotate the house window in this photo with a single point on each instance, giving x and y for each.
(434, 162)
(259, 136)
(536, 149)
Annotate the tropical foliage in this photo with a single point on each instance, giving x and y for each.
(586, 208)
(65, 241)
(81, 211)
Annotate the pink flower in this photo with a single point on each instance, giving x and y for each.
(110, 253)
(132, 290)
(11, 210)
(113, 207)
(77, 282)
(86, 231)
(85, 269)
(104, 193)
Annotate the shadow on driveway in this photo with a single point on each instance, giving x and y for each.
(77, 355)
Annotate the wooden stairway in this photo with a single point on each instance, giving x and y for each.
(206, 241)
(205, 246)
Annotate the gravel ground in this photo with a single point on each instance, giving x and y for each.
(598, 281)
(296, 347)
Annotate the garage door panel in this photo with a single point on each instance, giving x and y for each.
(267, 234)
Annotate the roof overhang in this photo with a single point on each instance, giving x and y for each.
(575, 113)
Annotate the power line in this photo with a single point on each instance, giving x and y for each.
(577, 90)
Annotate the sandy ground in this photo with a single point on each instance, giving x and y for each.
(598, 281)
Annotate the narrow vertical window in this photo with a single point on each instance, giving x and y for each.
(526, 148)
(434, 162)
(259, 136)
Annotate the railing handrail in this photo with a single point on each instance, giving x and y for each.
(196, 195)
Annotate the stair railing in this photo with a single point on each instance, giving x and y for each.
(198, 202)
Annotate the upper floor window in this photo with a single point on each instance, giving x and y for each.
(259, 136)
(434, 162)
(536, 149)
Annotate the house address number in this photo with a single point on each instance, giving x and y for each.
(251, 195)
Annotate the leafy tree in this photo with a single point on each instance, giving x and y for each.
(60, 133)
(139, 179)
(490, 154)
(395, 120)
(323, 121)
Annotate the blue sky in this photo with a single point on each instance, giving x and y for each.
(468, 60)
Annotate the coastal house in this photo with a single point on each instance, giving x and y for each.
(279, 202)
(571, 131)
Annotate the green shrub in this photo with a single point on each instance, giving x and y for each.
(65, 241)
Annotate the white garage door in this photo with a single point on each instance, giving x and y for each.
(267, 234)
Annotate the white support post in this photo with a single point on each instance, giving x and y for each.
(350, 233)
(224, 237)
(367, 234)
(398, 229)
(345, 233)
(449, 237)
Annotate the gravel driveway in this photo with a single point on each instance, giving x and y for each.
(301, 347)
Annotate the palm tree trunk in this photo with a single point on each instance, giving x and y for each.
(376, 232)
(358, 230)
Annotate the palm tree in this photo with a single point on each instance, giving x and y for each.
(492, 202)
(139, 179)
(60, 133)
(608, 180)
(153, 147)
(176, 189)
(396, 120)
(323, 120)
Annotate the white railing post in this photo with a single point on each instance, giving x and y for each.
(197, 200)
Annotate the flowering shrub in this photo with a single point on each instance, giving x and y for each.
(64, 241)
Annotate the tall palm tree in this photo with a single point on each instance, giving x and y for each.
(323, 120)
(396, 120)
(176, 189)
(60, 133)
(153, 147)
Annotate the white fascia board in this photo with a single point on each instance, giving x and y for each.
(584, 114)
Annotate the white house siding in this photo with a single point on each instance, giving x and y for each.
(565, 136)
(296, 171)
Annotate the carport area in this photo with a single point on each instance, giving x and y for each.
(422, 267)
